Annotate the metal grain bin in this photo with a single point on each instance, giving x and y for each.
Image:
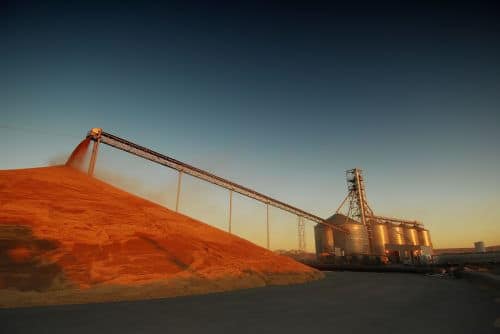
(479, 247)
(356, 241)
(380, 237)
(396, 234)
(424, 237)
(323, 237)
(411, 235)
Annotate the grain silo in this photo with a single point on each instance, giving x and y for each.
(424, 237)
(396, 234)
(479, 247)
(380, 238)
(323, 236)
(355, 242)
(411, 235)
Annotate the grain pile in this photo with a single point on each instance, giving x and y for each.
(69, 238)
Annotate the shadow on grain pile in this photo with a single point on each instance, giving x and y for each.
(21, 265)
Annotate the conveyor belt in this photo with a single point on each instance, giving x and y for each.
(143, 152)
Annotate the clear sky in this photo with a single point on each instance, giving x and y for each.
(281, 98)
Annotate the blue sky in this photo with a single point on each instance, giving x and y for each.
(281, 99)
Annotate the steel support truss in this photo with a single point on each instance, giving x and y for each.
(100, 136)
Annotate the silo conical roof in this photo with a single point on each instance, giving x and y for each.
(339, 219)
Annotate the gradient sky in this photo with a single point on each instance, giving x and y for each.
(281, 98)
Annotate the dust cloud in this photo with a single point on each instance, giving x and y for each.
(77, 158)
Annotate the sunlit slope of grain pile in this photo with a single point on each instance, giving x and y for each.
(66, 237)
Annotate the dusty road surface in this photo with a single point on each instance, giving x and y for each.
(343, 302)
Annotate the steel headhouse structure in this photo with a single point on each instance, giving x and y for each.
(385, 238)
